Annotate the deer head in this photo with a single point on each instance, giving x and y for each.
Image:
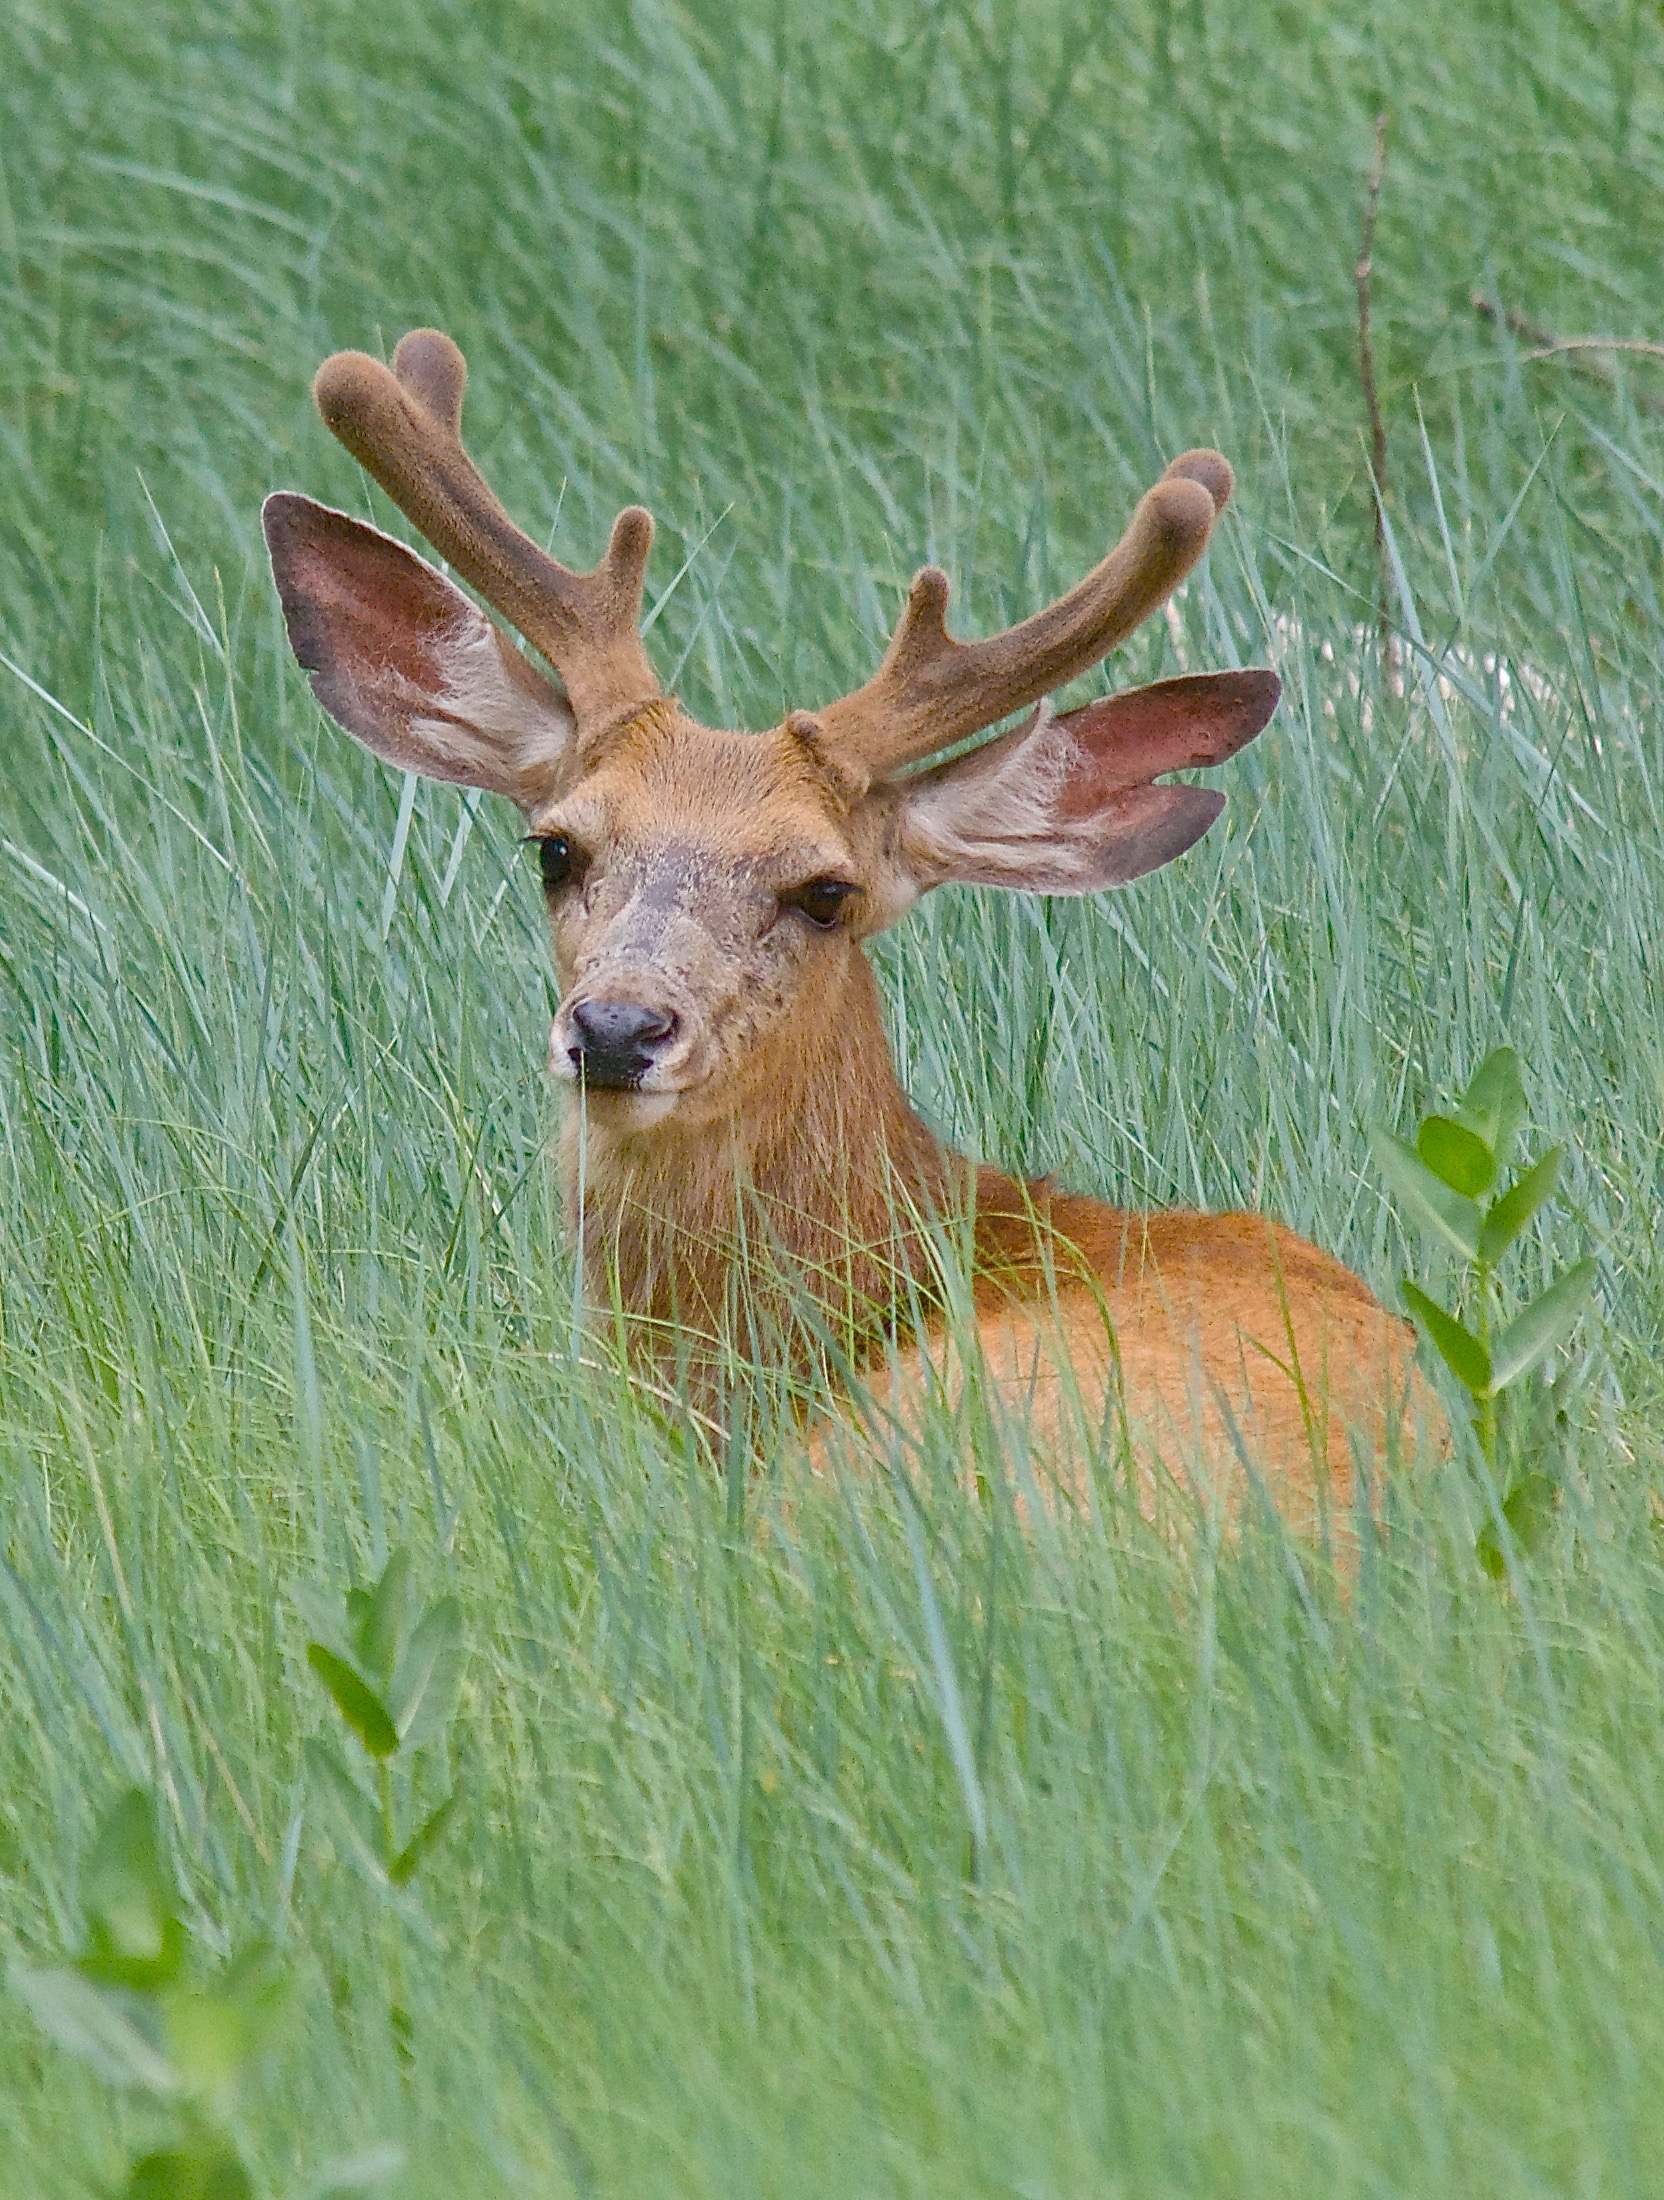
(708, 891)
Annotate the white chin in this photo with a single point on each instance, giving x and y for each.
(635, 1111)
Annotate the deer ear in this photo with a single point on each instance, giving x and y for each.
(1068, 805)
(403, 660)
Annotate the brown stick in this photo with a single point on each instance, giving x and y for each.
(1366, 367)
(1488, 310)
(1598, 343)
(1589, 354)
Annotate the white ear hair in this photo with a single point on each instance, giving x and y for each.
(485, 696)
(1000, 795)
(1069, 805)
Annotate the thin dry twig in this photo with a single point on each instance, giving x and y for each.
(1589, 354)
(1362, 276)
(1598, 343)
(1488, 309)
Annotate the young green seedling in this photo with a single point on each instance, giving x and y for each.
(392, 1673)
(138, 2005)
(1452, 1181)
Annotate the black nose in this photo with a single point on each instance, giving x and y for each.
(614, 1042)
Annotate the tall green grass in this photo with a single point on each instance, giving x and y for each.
(831, 1844)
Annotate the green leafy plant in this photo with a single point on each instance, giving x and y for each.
(1454, 1180)
(392, 1673)
(139, 2006)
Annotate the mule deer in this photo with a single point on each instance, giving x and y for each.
(736, 1109)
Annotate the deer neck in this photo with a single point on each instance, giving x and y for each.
(821, 1180)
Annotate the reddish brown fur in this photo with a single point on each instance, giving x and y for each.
(1225, 1334)
(1223, 1339)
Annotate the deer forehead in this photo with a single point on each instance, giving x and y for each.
(752, 799)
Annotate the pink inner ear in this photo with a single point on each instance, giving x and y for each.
(1140, 828)
(358, 604)
(1174, 726)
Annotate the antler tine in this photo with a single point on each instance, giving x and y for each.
(931, 691)
(404, 425)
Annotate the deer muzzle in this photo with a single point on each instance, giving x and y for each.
(612, 1044)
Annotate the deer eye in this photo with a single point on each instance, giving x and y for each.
(820, 900)
(561, 859)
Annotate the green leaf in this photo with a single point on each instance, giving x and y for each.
(1494, 1104)
(255, 1989)
(1546, 1322)
(1458, 1347)
(131, 1901)
(377, 1617)
(215, 2032)
(1416, 1188)
(404, 1866)
(101, 2024)
(429, 1674)
(1458, 1157)
(212, 2171)
(356, 1701)
(1529, 1506)
(1527, 1509)
(1509, 1213)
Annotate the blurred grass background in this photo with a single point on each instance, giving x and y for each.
(1280, 1892)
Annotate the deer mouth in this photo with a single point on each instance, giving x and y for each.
(627, 1111)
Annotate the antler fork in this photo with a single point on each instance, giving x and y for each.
(931, 690)
(405, 426)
